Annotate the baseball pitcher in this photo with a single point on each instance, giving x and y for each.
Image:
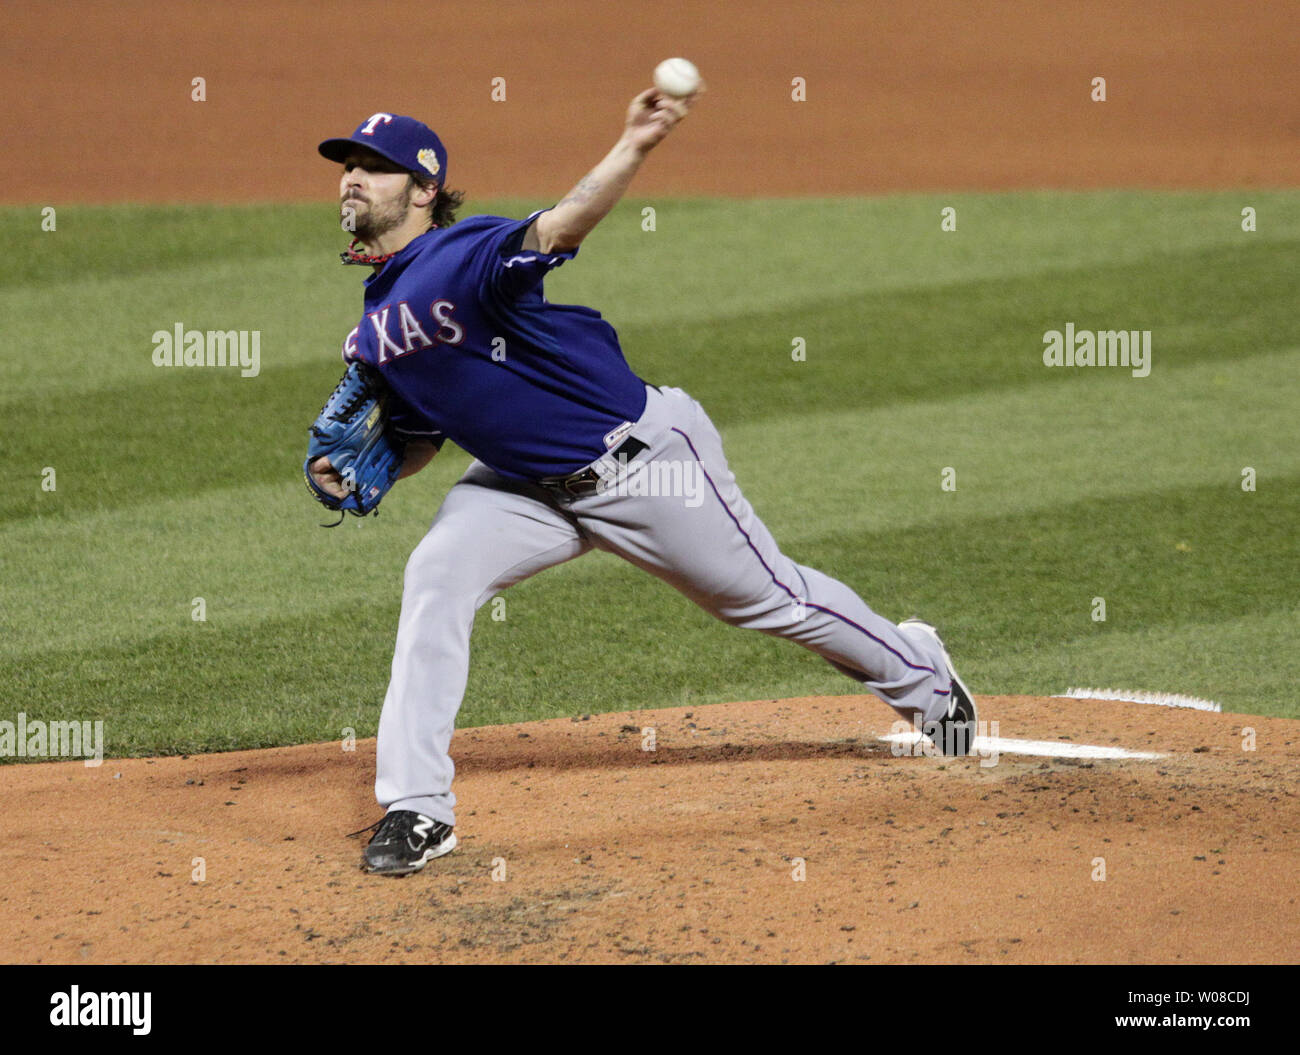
(572, 451)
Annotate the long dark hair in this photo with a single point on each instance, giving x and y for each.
(442, 213)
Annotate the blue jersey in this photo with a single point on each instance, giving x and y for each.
(473, 352)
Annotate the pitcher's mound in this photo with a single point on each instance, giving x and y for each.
(770, 831)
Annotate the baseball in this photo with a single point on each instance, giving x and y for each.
(677, 77)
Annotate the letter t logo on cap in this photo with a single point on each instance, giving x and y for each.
(373, 121)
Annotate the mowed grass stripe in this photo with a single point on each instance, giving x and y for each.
(860, 243)
(1096, 434)
(153, 242)
(86, 305)
(1171, 566)
(876, 351)
(715, 259)
(1241, 663)
(136, 559)
(1025, 580)
(871, 348)
(167, 431)
(106, 344)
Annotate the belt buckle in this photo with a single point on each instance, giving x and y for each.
(590, 475)
(583, 477)
(567, 485)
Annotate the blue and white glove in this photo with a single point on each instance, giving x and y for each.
(351, 431)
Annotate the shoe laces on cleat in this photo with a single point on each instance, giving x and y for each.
(389, 827)
(353, 835)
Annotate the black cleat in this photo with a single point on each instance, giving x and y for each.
(405, 842)
(954, 733)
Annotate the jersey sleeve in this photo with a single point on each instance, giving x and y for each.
(406, 424)
(511, 270)
(433, 436)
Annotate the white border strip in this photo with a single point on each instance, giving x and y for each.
(1160, 699)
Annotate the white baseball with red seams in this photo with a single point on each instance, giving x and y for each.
(677, 77)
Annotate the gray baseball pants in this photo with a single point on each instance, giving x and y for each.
(674, 511)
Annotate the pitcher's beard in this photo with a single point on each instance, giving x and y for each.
(374, 220)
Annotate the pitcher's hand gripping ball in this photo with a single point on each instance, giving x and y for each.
(351, 431)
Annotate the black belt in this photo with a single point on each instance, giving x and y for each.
(587, 481)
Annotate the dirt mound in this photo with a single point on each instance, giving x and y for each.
(770, 831)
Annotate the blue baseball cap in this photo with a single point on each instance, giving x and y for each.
(402, 140)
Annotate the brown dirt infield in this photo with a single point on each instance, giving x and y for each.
(687, 853)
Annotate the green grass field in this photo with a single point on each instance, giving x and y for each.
(924, 351)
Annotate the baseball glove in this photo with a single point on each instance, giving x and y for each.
(351, 430)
